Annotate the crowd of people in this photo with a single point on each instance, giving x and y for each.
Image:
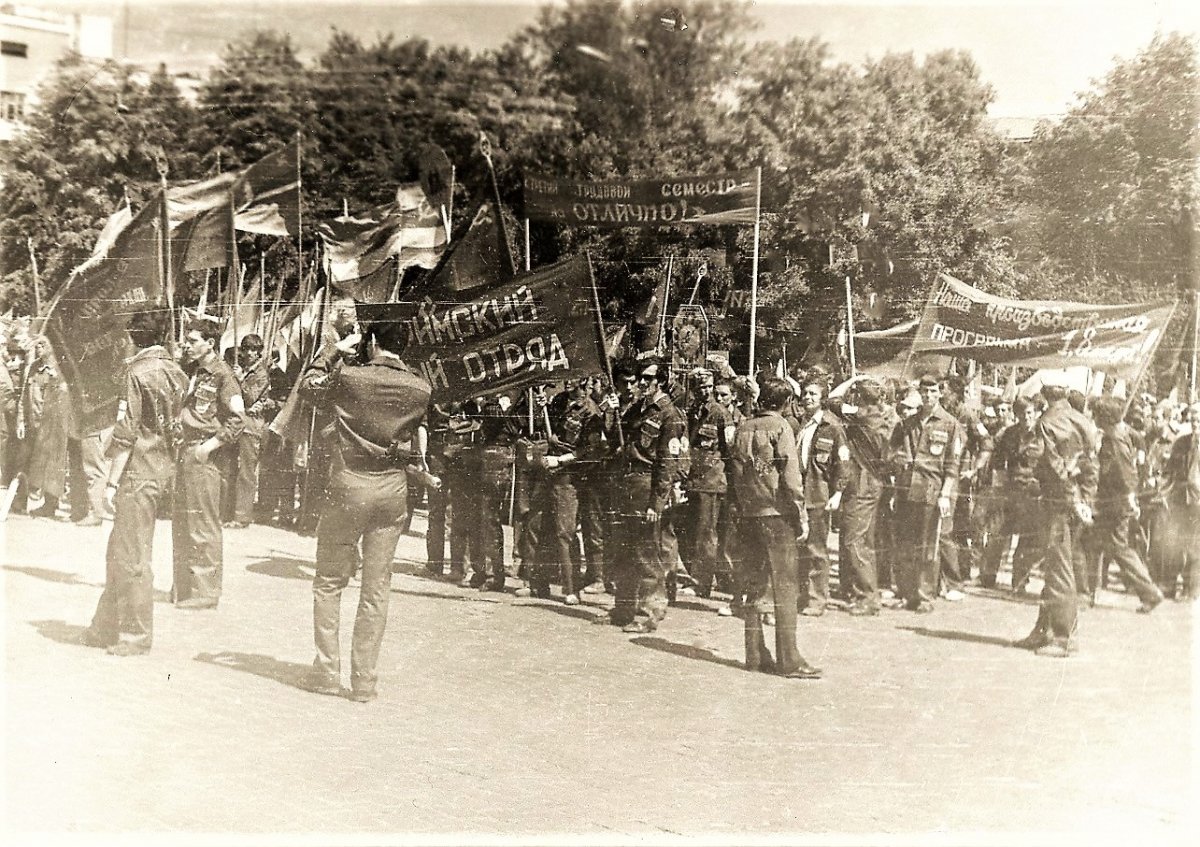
(642, 485)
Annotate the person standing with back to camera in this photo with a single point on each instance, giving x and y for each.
(377, 407)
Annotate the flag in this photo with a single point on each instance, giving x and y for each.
(87, 319)
(375, 287)
(650, 318)
(476, 259)
(249, 313)
(410, 230)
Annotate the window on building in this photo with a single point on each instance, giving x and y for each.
(12, 105)
(14, 48)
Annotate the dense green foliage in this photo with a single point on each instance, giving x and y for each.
(1101, 201)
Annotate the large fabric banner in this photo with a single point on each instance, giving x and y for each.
(409, 231)
(963, 321)
(884, 352)
(540, 327)
(729, 198)
(88, 319)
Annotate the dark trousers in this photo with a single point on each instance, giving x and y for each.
(435, 532)
(594, 523)
(276, 478)
(559, 509)
(1182, 547)
(1059, 608)
(1086, 558)
(814, 560)
(770, 561)
(1112, 532)
(958, 555)
(887, 550)
(703, 513)
(366, 509)
(856, 543)
(249, 445)
(126, 608)
(197, 545)
(640, 562)
(916, 531)
(462, 496)
(488, 543)
(1155, 550)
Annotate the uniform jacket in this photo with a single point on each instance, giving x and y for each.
(375, 406)
(1182, 470)
(1018, 451)
(656, 443)
(256, 392)
(1118, 472)
(764, 468)
(154, 390)
(708, 436)
(1066, 468)
(207, 409)
(867, 434)
(824, 472)
(927, 455)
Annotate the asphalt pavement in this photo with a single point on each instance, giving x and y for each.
(508, 718)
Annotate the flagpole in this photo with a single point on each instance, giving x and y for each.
(485, 149)
(235, 279)
(527, 258)
(1195, 343)
(754, 266)
(299, 228)
(850, 328)
(660, 336)
(168, 273)
(603, 342)
(37, 280)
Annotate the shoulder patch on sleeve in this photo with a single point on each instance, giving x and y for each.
(675, 445)
(981, 430)
(843, 453)
(956, 448)
(236, 405)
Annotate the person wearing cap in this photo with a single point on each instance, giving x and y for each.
(495, 454)
(865, 473)
(766, 485)
(1066, 473)
(377, 408)
(210, 423)
(1117, 506)
(460, 464)
(139, 475)
(1181, 474)
(655, 459)
(927, 450)
(823, 455)
(709, 426)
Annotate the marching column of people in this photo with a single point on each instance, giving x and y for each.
(736, 487)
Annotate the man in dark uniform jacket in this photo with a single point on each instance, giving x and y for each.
(961, 538)
(867, 435)
(1117, 506)
(765, 483)
(1014, 464)
(141, 470)
(210, 423)
(821, 443)
(1066, 474)
(377, 408)
(1181, 474)
(655, 459)
(927, 450)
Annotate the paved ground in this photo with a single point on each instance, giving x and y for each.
(508, 717)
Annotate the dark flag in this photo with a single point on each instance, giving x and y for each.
(88, 319)
(539, 327)
(476, 259)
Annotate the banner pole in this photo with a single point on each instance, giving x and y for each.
(850, 327)
(235, 279)
(527, 257)
(754, 267)
(37, 281)
(299, 228)
(168, 272)
(660, 336)
(603, 343)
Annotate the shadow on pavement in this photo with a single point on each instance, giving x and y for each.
(473, 597)
(692, 605)
(582, 612)
(51, 576)
(955, 635)
(60, 631)
(268, 667)
(687, 651)
(282, 567)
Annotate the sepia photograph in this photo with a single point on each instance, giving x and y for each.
(599, 422)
